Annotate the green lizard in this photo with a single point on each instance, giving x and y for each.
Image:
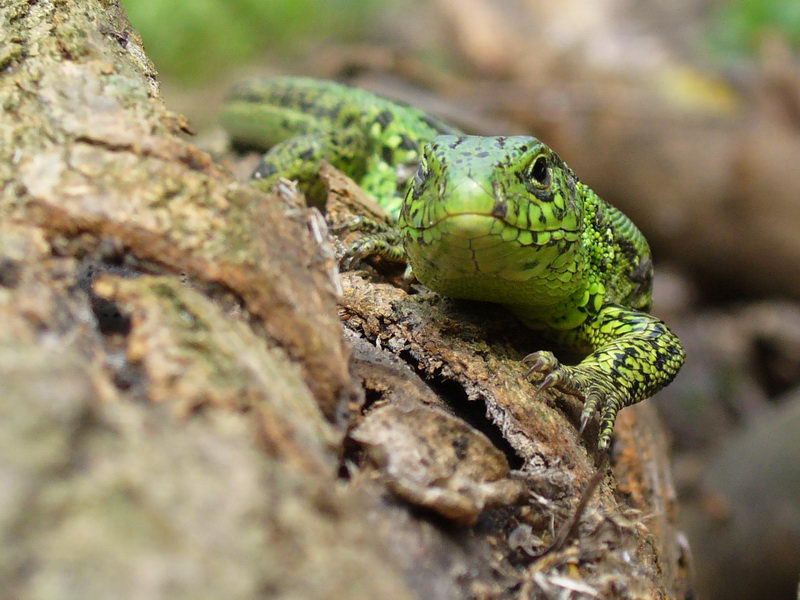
(498, 219)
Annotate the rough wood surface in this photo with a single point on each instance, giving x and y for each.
(184, 415)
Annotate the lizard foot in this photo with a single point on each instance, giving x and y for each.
(386, 244)
(592, 385)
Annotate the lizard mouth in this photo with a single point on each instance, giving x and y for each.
(467, 217)
(476, 226)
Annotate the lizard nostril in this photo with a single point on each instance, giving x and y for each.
(500, 209)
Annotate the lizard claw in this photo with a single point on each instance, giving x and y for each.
(592, 386)
(555, 375)
(549, 381)
(535, 367)
(590, 403)
(541, 362)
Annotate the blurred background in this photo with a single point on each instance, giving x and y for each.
(685, 114)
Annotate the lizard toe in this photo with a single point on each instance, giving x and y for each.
(555, 375)
(540, 362)
(385, 244)
(597, 392)
(603, 398)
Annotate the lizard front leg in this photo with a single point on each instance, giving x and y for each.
(634, 356)
(380, 239)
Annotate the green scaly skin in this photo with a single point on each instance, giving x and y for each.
(498, 219)
(306, 121)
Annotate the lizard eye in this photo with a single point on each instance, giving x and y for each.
(541, 172)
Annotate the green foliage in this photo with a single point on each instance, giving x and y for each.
(196, 39)
(740, 25)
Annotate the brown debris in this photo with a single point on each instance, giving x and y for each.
(436, 460)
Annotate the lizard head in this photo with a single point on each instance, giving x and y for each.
(491, 210)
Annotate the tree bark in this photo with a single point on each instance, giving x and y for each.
(183, 414)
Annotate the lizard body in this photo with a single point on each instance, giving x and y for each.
(497, 219)
(304, 121)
